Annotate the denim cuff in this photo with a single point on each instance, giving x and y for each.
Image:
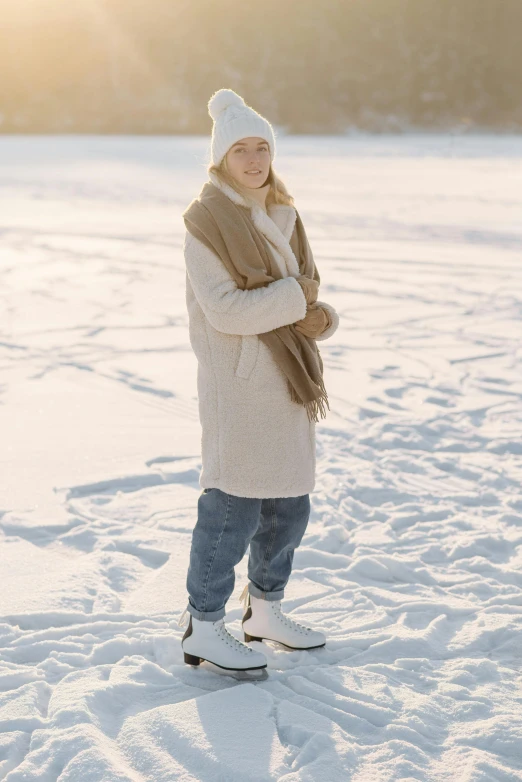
(277, 595)
(206, 616)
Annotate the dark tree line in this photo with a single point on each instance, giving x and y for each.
(325, 66)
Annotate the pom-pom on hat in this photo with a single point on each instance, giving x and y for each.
(234, 120)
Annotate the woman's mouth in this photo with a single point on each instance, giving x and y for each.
(255, 172)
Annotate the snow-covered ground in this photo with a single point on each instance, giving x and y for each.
(412, 562)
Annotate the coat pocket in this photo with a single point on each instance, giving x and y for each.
(247, 355)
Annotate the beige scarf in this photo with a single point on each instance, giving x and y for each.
(228, 230)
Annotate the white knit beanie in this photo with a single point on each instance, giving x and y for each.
(234, 120)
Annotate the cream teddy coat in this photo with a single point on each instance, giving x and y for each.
(255, 441)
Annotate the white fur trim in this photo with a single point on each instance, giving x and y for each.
(266, 224)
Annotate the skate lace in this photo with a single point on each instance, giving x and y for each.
(243, 597)
(230, 639)
(276, 608)
(275, 605)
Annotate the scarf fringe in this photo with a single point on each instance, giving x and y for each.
(314, 406)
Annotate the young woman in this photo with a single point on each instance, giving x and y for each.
(254, 318)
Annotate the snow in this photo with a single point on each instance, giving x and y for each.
(412, 561)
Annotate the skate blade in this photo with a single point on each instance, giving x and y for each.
(252, 675)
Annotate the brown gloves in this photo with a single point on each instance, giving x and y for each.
(316, 319)
(314, 322)
(310, 288)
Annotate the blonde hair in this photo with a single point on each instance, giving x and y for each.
(277, 193)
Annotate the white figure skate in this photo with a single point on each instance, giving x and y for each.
(264, 620)
(204, 640)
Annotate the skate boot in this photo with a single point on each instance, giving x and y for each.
(264, 620)
(212, 641)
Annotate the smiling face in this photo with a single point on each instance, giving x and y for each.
(246, 155)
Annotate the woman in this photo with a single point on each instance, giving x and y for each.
(254, 318)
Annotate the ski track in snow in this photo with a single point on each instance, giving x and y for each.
(412, 561)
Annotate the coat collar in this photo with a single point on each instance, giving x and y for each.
(277, 226)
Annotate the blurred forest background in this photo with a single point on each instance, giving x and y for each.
(150, 66)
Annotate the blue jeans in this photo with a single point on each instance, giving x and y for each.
(226, 526)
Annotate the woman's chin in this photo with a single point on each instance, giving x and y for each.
(253, 185)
